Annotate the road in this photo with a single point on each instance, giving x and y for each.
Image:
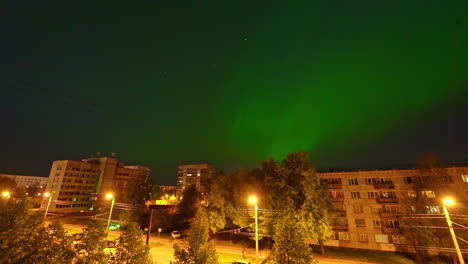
(163, 252)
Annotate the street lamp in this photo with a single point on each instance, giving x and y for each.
(449, 202)
(109, 196)
(47, 194)
(253, 200)
(6, 194)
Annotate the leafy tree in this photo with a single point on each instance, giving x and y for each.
(53, 246)
(199, 249)
(316, 214)
(191, 200)
(90, 247)
(7, 183)
(290, 246)
(130, 248)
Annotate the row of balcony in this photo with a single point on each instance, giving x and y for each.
(379, 199)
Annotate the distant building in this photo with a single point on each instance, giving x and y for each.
(76, 185)
(198, 175)
(369, 204)
(27, 181)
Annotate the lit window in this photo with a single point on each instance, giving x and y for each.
(379, 238)
(433, 209)
(465, 178)
(411, 194)
(428, 194)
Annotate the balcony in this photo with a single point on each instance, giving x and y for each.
(337, 199)
(335, 186)
(340, 227)
(388, 214)
(387, 200)
(340, 213)
(384, 185)
(390, 230)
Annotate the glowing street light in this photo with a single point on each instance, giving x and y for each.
(6, 194)
(109, 196)
(449, 202)
(253, 200)
(47, 194)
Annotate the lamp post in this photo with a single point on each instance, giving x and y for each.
(452, 233)
(253, 200)
(109, 196)
(47, 194)
(6, 194)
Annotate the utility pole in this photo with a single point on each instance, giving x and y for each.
(149, 227)
(452, 233)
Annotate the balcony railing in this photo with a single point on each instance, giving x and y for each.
(340, 213)
(387, 200)
(384, 185)
(340, 227)
(388, 214)
(335, 186)
(391, 230)
(337, 199)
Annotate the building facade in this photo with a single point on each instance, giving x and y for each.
(24, 181)
(198, 175)
(78, 185)
(370, 204)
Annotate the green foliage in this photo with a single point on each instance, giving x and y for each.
(290, 246)
(90, 247)
(190, 203)
(130, 248)
(199, 249)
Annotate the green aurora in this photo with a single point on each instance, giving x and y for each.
(229, 83)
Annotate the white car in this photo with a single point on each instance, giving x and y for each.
(175, 234)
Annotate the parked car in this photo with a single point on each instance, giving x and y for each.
(175, 234)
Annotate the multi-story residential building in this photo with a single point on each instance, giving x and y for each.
(370, 204)
(77, 185)
(198, 175)
(27, 181)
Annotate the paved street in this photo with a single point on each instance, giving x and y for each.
(163, 253)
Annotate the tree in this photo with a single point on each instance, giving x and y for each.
(91, 245)
(191, 200)
(130, 248)
(316, 213)
(53, 245)
(290, 246)
(199, 249)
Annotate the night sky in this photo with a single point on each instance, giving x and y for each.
(358, 84)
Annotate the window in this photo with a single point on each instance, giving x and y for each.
(428, 194)
(372, 195)
(353, 181)
(376, 208)
(336, 194)
(433, 209)
(379, 223)
(408, 180)
(357, 208)
(343, 236)
(411, 194)
(465, 178)
(393, 223)
(398, 239)
(391, 209)
(387, 194)
(370, 181)
(355, 195)
(379, 238)
(363, 238)
(447, 179)
(360, 222)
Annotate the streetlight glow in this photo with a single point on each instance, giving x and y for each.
(253, 199)
(449, 201)
(109, 196)
(46, 194)
(6, 194)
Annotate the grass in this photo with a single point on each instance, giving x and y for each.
(369, 256)
(227, 257)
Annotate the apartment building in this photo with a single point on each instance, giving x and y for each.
(24, 181)
(198, 175)
(369, 204)
(78, 185)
